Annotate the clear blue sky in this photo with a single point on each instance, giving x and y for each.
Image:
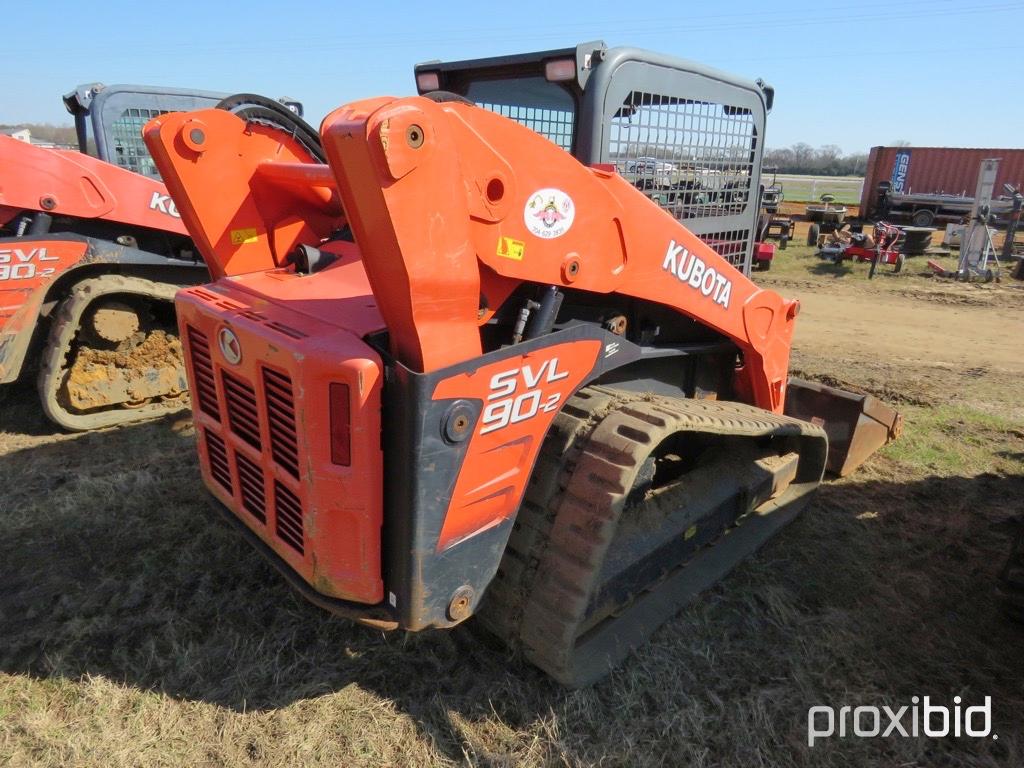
(856, 74)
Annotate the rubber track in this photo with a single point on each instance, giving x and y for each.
(538, 601)
(65, 328)
(502, 609)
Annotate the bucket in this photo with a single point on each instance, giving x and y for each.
(856, 425)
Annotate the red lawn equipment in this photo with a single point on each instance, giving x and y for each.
(880, 247)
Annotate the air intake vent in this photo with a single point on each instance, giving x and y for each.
(250, 479)
(240, 399)
(281, 418)
(202, 368)
(218, 457)
(288, 511)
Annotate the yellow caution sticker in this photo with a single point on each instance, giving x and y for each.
(243, 236)
(510, 248)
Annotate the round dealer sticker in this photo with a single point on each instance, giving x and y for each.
(549, 213)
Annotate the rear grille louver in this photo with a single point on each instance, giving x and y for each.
(284, 444)
(217, 455)
(253, 414)
(202, 368)
(288, 513)
(250, 481)
(243, 418)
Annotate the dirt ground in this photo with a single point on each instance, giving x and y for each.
(137, 629)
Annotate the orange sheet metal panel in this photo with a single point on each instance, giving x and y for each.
(952, 170)
(263, 373)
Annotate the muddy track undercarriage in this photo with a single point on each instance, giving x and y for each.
(636, 505)
(109, 359)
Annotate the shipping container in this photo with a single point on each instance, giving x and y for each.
(928, 170)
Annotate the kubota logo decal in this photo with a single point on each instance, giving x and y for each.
(518, 394)
(692, 270)
(25, 263)
(229, 345)
(164, 204)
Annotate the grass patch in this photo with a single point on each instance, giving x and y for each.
(137, 629)
(845, 189)
(958, 440)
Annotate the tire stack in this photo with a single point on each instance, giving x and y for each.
(916, 240)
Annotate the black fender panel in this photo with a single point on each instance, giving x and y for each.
(434, 582)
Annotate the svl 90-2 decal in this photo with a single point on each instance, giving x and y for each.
(506, 404)
(520, 396)
(25, 263)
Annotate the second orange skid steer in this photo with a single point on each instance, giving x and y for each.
(92, 251)
(455, 371)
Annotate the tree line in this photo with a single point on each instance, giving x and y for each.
(826, 160)
(802, 158)
(56, 134)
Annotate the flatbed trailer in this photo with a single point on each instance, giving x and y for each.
(925, 209)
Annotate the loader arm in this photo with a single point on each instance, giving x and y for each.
(68, 183)
(451, 207)
(248, 192)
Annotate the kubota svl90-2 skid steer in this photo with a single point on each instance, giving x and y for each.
(91, 252)
(456, 371)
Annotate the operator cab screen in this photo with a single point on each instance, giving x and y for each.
(534, 102)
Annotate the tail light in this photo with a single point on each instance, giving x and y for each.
(557, 70)
(428, 81)
(341, 437)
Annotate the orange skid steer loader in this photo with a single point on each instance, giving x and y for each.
(456, 371)
(92, 251)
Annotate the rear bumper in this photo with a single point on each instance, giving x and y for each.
(376, 616)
